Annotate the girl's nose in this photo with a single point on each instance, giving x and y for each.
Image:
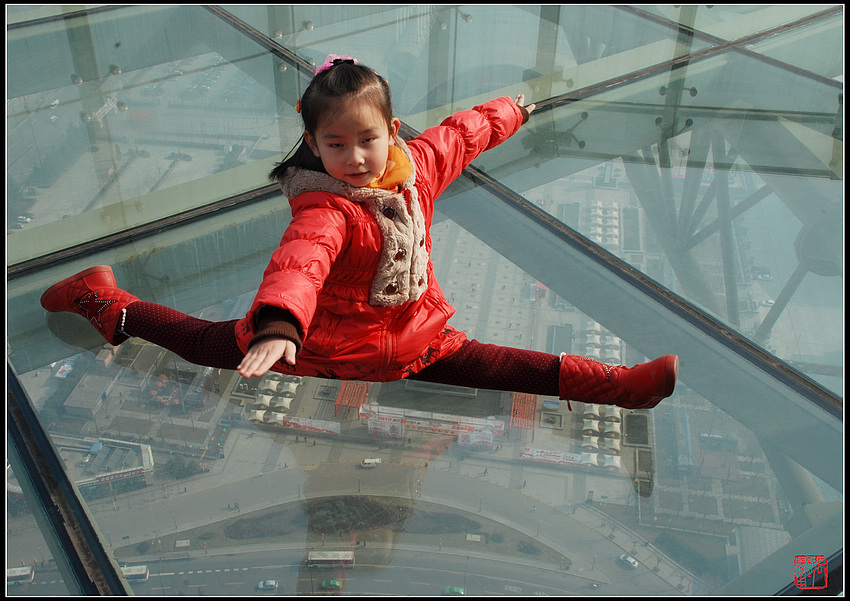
(355, 157)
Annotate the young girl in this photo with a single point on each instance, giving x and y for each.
(350, 293)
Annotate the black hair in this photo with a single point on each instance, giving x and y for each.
(342, 82)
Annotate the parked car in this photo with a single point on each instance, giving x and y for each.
(454, 590)
(628, 561)
(267, 585)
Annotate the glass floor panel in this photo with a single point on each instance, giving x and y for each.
(677, 190)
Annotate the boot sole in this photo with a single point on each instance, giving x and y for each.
(671, 373)
(671, 376)
(74, 278)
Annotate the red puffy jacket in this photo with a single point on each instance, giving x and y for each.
(353, 266)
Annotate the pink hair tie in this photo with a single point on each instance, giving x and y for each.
(335, 59)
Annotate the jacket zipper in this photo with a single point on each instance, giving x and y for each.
(390, 343)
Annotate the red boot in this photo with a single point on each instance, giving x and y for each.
(93, 294)
(639, 387)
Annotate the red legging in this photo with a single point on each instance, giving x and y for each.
(492, 367)
(199, 341)
(474, 365)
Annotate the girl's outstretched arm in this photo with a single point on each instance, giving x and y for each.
(444, 151)
(262, 356)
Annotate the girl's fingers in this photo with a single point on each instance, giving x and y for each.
(520, 101)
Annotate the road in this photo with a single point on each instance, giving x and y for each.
(407, 574)
(263, 470)
(383, 568)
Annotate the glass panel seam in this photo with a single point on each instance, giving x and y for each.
(801, 384)
(56, 499)
(142, 231)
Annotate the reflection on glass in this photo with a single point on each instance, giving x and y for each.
(758, 248)
(113, 146)
(716, 179)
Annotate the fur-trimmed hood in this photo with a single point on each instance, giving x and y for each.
(402, 271)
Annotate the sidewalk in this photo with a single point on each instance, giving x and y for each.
(632, 544)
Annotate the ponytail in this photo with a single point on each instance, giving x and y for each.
(301, 157)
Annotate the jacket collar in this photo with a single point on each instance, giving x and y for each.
(402, 272)
(297, 181)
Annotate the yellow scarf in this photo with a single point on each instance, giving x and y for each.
(397, 171)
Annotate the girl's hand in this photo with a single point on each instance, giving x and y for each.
(262, 356)
(520, 102)
(525, 110)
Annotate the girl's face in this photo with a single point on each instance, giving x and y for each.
(353, 143)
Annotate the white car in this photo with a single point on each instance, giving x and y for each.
(628, 561)
(267, 585)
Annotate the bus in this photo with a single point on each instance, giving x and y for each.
(330, 559)
(136, 573)
(24, 575)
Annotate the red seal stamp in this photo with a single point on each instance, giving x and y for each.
(807, 571)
